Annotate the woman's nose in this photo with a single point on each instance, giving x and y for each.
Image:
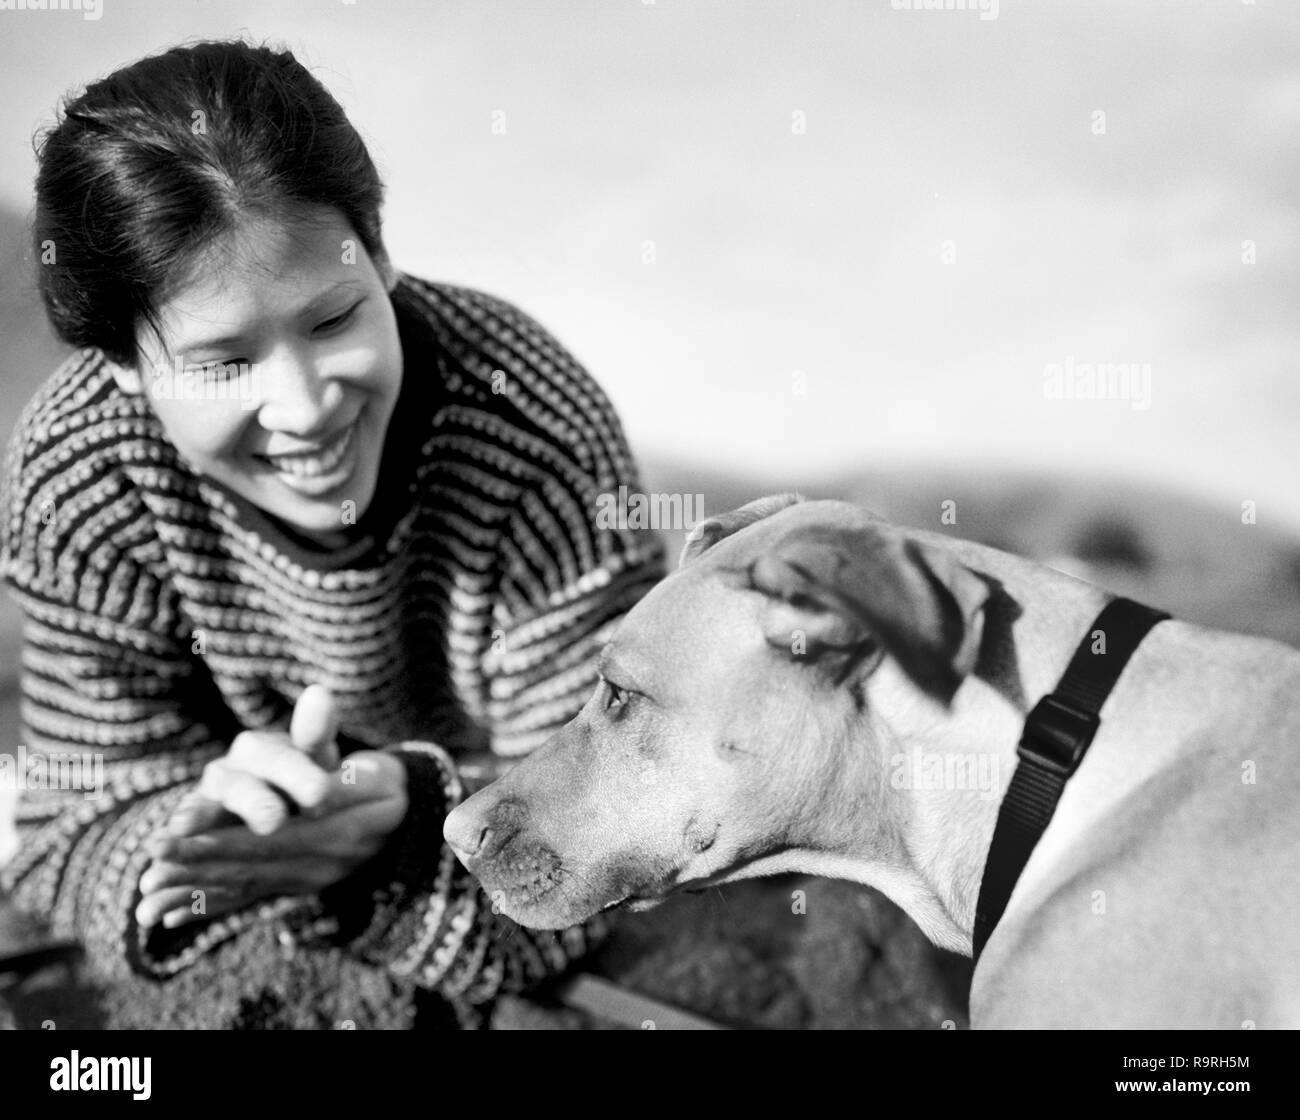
(295, 396)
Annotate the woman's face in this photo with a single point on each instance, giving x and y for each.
(277, 368)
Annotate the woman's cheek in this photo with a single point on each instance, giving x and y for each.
(208, 434)
(382, 347)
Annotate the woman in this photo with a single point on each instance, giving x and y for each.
(293, 535)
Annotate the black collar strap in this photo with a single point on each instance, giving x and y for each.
(1057, 735)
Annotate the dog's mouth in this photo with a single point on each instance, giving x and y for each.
(635, 903)
(531, 884)
(642, 894)
(647, 896)
(526, 891)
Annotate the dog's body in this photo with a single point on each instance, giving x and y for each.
(817, 691)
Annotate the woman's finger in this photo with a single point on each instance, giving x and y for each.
(274, 762)
(178, 905)
(163, 874)
(272, 757)
(252, 800)
(173, 919)
(194, 814)
(151, 908)
(238, 844)
(171, 883)
(315, 726)
(345, 833)
(216, 905)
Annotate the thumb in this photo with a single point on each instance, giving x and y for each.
(315, 726)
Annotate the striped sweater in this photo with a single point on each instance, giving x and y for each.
(163, 613)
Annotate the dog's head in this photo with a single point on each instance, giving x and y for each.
(707, 751)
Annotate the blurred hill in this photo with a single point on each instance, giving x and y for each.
(1175, 551)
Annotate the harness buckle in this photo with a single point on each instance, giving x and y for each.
(1057, 734)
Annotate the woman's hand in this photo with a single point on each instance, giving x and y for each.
(236, 839)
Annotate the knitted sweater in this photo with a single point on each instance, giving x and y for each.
(163, 613)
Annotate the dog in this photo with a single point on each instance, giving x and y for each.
(816, 690)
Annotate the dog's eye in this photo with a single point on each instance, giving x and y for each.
(615, 698)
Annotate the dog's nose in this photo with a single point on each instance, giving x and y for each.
(466, 832)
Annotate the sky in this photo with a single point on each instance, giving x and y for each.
(794, 239)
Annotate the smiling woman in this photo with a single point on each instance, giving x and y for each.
(292, 533)
(305, 322)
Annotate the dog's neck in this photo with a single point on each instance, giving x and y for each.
(947, 770)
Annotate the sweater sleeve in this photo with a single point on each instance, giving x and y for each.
(567, 575)
(118, 720)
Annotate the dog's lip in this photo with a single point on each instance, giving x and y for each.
(647, 893)
(529, 891)
(660, 892)
(631, 896)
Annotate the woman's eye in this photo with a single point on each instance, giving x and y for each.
(218, 371)
(339, 320)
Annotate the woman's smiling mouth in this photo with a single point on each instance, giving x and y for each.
(320, 470)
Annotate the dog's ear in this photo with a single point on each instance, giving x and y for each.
(713, 529)
(855, 590)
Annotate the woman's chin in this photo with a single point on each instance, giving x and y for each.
(330, 531)
(329, 523)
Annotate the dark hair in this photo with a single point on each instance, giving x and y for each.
(147, 167)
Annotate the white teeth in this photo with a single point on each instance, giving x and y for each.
(308, 467)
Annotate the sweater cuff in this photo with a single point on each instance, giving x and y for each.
(373, 911)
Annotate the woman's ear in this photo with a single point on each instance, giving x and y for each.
(127, 377)
(387, 273)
